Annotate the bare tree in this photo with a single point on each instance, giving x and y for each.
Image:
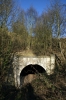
(6, 7)
(31, 17)
(43, 33)
(58, 21)
(19, 28)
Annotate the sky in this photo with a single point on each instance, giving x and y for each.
(39, 5)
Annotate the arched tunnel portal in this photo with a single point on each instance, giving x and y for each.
(23, 66)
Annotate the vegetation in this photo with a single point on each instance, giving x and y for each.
(41, 35)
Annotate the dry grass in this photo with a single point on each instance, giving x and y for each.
(26, 53)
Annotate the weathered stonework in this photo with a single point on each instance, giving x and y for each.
(20, 62)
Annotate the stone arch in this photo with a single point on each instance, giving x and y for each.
(34, 67)
(20, 62)
(31, 69)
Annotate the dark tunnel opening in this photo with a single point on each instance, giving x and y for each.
(32, 69)
(28, 73)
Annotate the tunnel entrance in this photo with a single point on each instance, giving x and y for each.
(29, 73)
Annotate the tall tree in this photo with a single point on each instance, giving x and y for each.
(31, 17)
(57, 20)
(19, 28)
(43, 33)
(5, 11)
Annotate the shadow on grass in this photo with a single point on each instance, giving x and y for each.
(8, 92)
(27, 93)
